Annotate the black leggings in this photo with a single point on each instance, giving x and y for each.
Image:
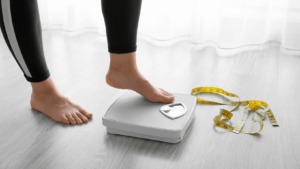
(21, 29)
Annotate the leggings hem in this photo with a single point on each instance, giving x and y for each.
(119, 50)
(40, 78)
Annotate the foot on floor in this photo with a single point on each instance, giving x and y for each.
(47, 99)
(59, 108)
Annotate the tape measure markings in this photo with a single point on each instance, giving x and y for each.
(253, 105)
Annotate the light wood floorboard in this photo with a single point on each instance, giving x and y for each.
(78, 64)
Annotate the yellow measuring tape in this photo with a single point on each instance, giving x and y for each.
(226, 113)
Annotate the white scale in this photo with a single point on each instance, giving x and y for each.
(133, 115)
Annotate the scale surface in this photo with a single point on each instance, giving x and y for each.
(133, 115)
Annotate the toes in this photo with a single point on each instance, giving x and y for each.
(167, 99)
(65, 120)
(85, 113)
(78, 120)
(162, 96)
(164, 92)
(169, 94)
(71, 119)
(82, 117)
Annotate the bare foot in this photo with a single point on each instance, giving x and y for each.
(123, 74)
(47, 99)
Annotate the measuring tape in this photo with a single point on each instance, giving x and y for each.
(226, 113)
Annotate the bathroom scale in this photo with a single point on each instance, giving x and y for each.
(133, 115)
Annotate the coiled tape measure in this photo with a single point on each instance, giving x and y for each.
(226, 113)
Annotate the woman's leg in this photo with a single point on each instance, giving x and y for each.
(21, 29)
(121, 19)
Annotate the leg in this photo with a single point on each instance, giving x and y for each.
(121, 20)
(20, 26)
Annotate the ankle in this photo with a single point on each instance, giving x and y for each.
(123, 72)
(123, 62)
(46, 87)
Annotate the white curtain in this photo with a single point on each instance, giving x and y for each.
(226, 24)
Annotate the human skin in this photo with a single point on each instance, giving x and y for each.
(123, 73)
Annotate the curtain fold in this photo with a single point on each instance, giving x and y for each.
(228, 24)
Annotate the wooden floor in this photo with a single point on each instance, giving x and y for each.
(78, 63)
